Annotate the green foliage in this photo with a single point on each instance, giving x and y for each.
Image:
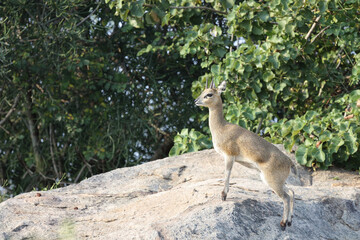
(291, 66)
(189, 142)
(87, 87)
(76, 98)
(3, 194)
(55, 185)
(324, 138)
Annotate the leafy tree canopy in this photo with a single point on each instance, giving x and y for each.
(76, 98)
(292, 67)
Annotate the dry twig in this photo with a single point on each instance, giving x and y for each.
(312, 27)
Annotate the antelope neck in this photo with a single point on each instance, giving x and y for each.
(216, 118)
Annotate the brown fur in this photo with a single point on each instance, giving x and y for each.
(238, 144)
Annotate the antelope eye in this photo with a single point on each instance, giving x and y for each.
(208, 95)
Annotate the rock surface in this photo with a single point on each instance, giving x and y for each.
(179, 198)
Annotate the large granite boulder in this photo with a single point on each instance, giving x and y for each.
(180, 198)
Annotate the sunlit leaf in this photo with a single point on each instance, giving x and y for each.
(301, 155)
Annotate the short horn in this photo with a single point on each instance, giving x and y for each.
(206, 86)
(212, 84)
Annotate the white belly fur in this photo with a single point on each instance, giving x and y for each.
(246, 162)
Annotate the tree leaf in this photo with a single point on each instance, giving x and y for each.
(136, 9)
(350, 142)
(286, 129)
(135, 22)
(335, 143)
(264, 16)
(323, 6)
(325, 136)
(246, 25)
(298, 125)
(310, 115)
(279, 87)
(220, 52)
(318, 153)
(268, 76)
(216, 69)
(274, 60)
(228, 3)
(355, 95)
(301, 155)
(184, 132)
(290, 29)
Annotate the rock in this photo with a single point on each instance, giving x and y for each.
(180, 198)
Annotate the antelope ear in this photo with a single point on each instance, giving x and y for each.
(222, 87)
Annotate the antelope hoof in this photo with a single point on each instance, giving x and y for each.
(289, 222)
(223, 196)
(283, 225)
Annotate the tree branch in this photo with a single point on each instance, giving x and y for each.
(232, 42)
(12, 109)
(312, 27)
(7, 132)
(190, 7)
(87, 17)
(34, 134)
(259, 126)
(322, 30)
(51, 136)
(158, 129)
